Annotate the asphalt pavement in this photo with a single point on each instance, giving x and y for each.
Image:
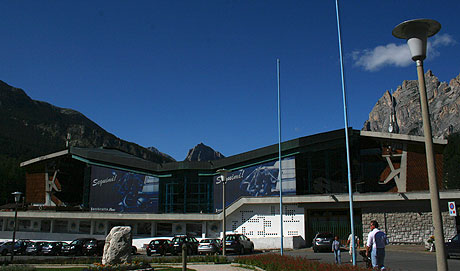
(397, 257)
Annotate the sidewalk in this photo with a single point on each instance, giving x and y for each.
(214, 267)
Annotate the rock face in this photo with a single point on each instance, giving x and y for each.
(403, 108)
(37, 128)
(117, 248)
(202, 152)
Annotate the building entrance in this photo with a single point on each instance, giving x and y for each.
(334, 221)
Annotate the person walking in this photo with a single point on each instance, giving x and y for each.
(336, 250)
(376, 242)
(350, 245)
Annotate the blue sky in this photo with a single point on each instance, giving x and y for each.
(172, 74)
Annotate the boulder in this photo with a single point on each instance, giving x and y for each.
(117, 248)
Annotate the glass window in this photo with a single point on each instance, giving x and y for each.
(164, 229)
(60, 226)
(85, 227)
(45, 225)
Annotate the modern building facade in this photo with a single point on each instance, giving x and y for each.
(85, 192)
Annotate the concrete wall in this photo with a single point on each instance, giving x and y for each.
(261, 223)
(408, 227)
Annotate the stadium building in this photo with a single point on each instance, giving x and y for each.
(81, 192)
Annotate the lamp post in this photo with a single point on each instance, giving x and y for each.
(223, 179)
(416, 33)
(17, 198)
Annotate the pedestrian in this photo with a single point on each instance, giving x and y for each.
(336, 250)
(376, 242)
(350, 245)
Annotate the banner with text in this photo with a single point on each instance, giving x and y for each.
(114, 190)
(257, 181)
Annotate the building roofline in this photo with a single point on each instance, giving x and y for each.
(401, 137)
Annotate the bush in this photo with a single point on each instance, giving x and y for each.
(276, 262)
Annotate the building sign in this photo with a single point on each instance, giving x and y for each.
(452, 208)
(121, 191)
(257, 181)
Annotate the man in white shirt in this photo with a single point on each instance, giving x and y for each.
(350, 245)
(376, 242)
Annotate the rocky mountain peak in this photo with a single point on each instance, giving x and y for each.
(201, 152)
(400, 111)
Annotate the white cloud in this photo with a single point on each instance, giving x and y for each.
(396, 55)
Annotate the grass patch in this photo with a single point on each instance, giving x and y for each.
(61, 268)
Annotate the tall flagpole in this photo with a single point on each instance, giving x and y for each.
(280, 180)
(350, 192)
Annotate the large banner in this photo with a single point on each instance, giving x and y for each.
(121, 191)
(257, 181)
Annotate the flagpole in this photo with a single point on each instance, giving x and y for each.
(280, 181)
(350, 192)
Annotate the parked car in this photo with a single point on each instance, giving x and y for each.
(189, 241)
(6, 248)
(20, 246)
(35, 248)
(93, 247)
(75, 247)
(52, 248)
(323, 241)
(453, 246)
(209, 246)
(159, 246)
(238, 243)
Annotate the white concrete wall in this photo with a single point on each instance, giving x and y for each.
(261, 223)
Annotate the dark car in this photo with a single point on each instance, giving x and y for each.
(6, 248)
(189, 241)
(323, 241)
(20, 246)
(160, 246)
(35, 248)
(52, 248)
(238, 243)
(209, 246)
(75, 247)
(93, 247)
(453, 247)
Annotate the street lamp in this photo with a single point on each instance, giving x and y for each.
(416, 33)
(223, 179)
(17, 198)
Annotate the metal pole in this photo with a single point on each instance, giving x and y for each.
(14, 229)
(350, 192)
(280, 179)
(433, 184)
(224, 180)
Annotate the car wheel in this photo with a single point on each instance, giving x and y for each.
(242, 250)
(4, 252)
(252, 249)
(189, 251)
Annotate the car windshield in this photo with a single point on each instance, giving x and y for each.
(325, 235)
(75, 242)
(206, 241)
(231, 237)
(157, 242)
(178, 239)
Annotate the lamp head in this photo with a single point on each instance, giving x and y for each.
(17, 196)
(416, 33)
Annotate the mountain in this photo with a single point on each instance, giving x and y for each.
(31, 128)
(166, 156)
(403, 108)
(202, 152)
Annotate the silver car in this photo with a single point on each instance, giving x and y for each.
(209, 246)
